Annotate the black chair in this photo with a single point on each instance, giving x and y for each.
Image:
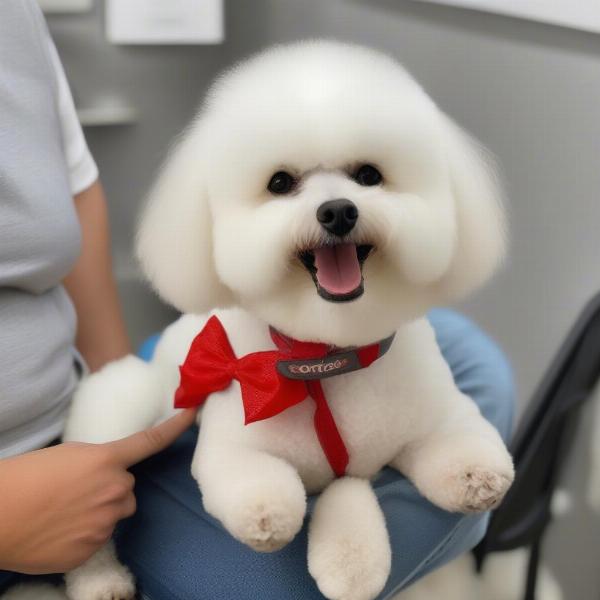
(542, 443)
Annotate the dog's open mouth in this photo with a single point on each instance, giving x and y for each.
(337, 270)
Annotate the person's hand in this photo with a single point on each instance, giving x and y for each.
(59, 505)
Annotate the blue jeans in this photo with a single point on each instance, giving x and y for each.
(178, 552)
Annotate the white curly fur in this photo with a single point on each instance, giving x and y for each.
(212, 236)
(102, 577)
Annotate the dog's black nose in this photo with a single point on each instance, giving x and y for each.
(338, 216)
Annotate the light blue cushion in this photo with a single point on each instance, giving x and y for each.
(178, 552)
(147, 347)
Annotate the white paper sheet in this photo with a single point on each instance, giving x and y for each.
(164, 21)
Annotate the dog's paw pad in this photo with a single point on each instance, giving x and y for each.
(479, 489)
(347, 569)
(266, 527)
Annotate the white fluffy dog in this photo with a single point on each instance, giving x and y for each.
(321, 192)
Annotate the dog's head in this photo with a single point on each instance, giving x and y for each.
(323, 190)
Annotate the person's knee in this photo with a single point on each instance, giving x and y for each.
(468, 532)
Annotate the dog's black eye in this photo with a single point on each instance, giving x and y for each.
(281, 183)
(367, 175)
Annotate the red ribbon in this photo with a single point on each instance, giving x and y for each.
(211, 366)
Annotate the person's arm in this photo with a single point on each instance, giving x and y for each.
(101, 335)
(59, 505)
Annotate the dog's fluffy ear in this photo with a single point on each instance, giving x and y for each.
(480, 219)
(174, 241)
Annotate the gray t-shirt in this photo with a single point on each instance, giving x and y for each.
(39, 231)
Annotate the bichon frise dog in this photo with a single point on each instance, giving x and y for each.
(319, 195)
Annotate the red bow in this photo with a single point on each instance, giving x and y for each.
(211, 365)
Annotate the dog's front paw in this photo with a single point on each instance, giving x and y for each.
(477, 489)
(470, 477)
(261, 501)
(266, 522)
(348, 568)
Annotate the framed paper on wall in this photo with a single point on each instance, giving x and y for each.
(578, 14)
(164, 21)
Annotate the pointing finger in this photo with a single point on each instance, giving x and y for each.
(135, 448)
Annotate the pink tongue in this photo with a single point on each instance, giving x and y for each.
(338, 270)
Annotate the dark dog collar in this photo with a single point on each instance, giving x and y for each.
(330, 361)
